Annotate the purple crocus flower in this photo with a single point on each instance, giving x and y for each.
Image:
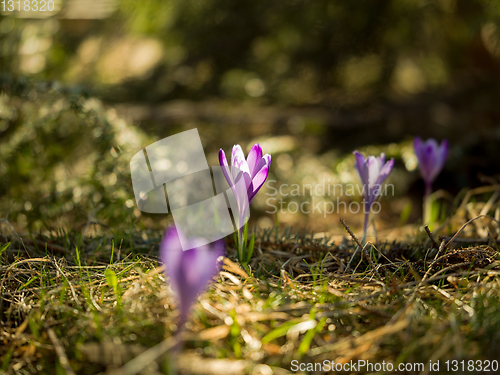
(431, 158)
(372, 172)
(189, 271)
(254, 171)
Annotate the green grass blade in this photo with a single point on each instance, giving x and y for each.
(3, 249)
(309, 336)
(6, 360)
(250, 247)
(112, 281)
(279, 331)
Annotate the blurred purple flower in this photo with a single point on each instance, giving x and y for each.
(431, 158)
(189, 271)
(372, 172)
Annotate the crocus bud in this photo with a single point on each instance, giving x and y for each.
(189, 271)
(431, 158)
(372, 172)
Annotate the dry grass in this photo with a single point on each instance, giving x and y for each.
(405, 302)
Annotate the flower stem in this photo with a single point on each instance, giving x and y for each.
(427, 204)
(173, 354)
(428, 189)
(240, 245)
(365, 228)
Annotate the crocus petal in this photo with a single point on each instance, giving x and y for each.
(254, 158)
(241, 195)
(428, 160)
(425, 161)
(443, 154)
(248, 180)
(189, 271)
(260, 176)
(267, 159)
(222, 158)
(372, 166)
(190, 284)
(360, 166)
(384, 171)
(236, 153)
(258, 181)
(171, 254)
(238, 159)
(201, 265)
(225, 167)
(381, 160)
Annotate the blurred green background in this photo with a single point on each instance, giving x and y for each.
(87, 85)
